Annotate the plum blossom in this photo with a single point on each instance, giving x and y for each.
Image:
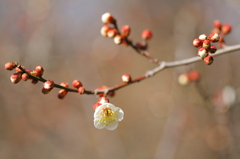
(107, 116)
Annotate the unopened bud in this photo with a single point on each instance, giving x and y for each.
(107, 18)
(15, 78)
(206, 44)
(81, 90)
(34, 81)
(118, 39)
(214, 37)
(146, 35)
(226, 28)
(104, 30)
(193, 75)
(39, 71)
(96, 105)
(49, 84)
(62, 93)
(208, 60)
(46, 91)
(217, 24)
(76, 84)
(64, 84)
(25, 77)
(197, 42)
(11, 65)
(202, 37)
(112, 33)
(212, 49)
(126, 78)
(103, 100)
(18, 70)
(126, 30)
(202, 52)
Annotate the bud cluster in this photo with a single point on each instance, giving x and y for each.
(186, 78)
(110, 30)
(221, 29)
(20, 75)
(204, 43)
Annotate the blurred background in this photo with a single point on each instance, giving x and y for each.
(163, 120)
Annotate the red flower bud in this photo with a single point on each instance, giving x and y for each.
(77, 83)
(126, 78)
(11, 65)
(197, 42)
(217, 24)
(206, 44)
(15, 78)
(146, 35)
(202, 52)
(193, 75)
(214, 37)
(39, 71)
(64, 84)
(126, 30)
(202, 37)
(226, 28)
(62, 93)
(34, 81)
(208, 60)
(102, 100)
(81, 90)
(213, 49)
(25, 77)
(49, 84)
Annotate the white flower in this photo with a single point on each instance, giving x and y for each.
(107, 116)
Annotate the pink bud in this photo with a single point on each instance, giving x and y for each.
(104, 30)
(126, 78)
(112, 33)
(62, 93)
(208, 60)
(118, 39)
(107, 18)
(39, 71)
(15, 78)
(126, 30)
(18, 70)
(81, 90)
(146, 35)
(226, 28)
(197, 42)
(11, 65)
(46, 91)
(25, 77)
(49, 84)
(202, 52)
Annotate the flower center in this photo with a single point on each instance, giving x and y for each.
(107, 116)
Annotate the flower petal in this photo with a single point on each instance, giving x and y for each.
(112, 125)
(120, 115)
(98, 125)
